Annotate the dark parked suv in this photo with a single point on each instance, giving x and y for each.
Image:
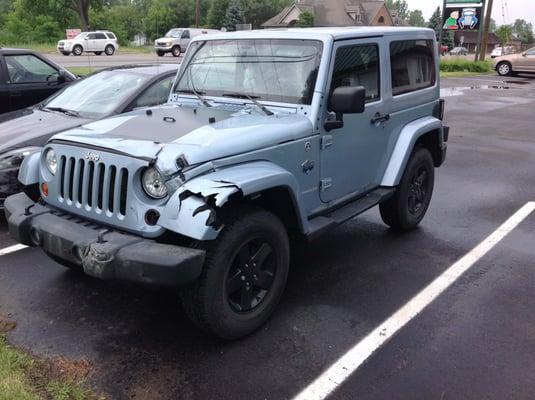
(26, 78)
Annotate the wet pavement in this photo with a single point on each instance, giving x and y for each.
(477, 340)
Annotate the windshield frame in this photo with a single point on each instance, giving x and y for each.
(322, 50)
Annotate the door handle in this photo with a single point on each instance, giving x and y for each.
(378, 118)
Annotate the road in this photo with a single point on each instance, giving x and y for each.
(476, 340)
(103, 61)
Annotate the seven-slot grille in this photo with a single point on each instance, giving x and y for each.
(93, 185)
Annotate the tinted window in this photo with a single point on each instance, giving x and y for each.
(185, 35)
(91, 36)
(29, 69)
(156, 94)
(413, 65)
(358, 66)
(100, 36)
(110, 35)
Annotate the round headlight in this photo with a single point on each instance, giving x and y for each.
(153, 183)
(51, 161)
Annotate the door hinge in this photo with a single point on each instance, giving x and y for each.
(326, 141)
(325, 184)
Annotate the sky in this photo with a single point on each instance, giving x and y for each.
(514, 9)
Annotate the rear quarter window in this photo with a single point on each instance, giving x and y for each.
(110, 35)
(413, 65)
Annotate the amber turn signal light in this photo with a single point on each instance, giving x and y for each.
(44, 189)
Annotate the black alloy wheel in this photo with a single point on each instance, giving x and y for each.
(251, 275)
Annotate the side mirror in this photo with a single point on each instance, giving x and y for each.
(61, 77)
(345, 100)
(524, 54)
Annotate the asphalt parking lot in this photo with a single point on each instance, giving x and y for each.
(475, 340)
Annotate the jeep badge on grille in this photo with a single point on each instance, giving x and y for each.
(92, 157)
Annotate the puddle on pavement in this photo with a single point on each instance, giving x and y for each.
(459, 91)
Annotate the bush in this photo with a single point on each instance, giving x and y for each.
(464, 66)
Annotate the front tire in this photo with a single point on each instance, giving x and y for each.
(65, 53)
(504, 69)
(160, 53)
(244, 275)
(77, 50)
(406, 209)
(176, 51)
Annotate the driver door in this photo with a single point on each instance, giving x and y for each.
(353, 156)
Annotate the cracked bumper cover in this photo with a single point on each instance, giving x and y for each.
(115, 256)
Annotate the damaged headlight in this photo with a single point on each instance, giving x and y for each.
(14, 158)
(153, 184)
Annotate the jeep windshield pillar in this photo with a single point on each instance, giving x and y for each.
(267, 136)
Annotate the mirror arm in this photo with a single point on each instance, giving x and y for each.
(337, 123)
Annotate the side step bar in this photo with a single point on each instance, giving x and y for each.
(330, 219)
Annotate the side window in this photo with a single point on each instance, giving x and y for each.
(91, 36)
(358, 66)
(154, 95)
(185, 35)
(100, 36)
(531, 52)
(111, 35)
(27, 68)
(413, 65)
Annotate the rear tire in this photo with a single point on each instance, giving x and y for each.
(77, 50)
(176, 51)
(109, 50)
(504, 69)
(406, 209)
(244, 275)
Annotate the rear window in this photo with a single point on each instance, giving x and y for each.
(413, 65)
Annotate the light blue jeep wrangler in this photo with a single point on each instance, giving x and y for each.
(267, 136)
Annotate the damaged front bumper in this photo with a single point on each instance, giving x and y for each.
(101, 252)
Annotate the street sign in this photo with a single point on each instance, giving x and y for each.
(457, 18)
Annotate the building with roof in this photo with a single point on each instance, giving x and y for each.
(336, 13)
(468, 39)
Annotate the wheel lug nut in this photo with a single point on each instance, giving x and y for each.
(243, 277)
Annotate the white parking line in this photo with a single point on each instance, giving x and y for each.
(337, 373)
(12, 249)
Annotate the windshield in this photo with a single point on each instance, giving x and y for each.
(174, 33)
(81, 35)
(97, 95)
(277, 70)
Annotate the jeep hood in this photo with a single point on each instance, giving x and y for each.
(199, 134)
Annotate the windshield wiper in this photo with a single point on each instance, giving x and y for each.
(65, 111)
(251, 98)
(196, 93)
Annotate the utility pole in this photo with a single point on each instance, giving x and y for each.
(197, 12)
(479, 31)
(483, 50)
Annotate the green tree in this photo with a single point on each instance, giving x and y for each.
(416, 18)
(436, 21)
(235, 15)
(259, 11)
(216, 14)
(492, 26)
(400, 6)
(505, 33)
(523, 30)
(306, 19)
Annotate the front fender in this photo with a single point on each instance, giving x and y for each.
(403, 149)
(192, 209)
(29, 169)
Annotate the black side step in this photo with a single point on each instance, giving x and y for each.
(322, 223)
